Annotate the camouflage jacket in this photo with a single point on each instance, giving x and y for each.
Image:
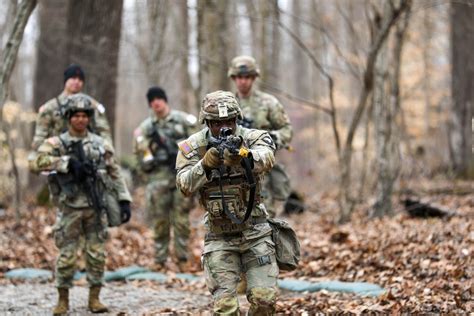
(53, 155)
(51, 121)
(263, 111)
(156, 143)
(192, 177)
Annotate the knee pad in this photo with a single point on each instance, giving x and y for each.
(262, 296)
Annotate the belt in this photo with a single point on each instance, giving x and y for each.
(231, 235)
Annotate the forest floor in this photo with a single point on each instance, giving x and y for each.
(424, 264)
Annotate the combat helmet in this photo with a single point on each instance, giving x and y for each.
(78, 103)
(243, 65)
(218, 106)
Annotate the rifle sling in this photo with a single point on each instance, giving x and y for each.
(253, 187)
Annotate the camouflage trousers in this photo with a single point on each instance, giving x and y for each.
(276, 189)
(75, 228)
(224, 265)
(168, 208)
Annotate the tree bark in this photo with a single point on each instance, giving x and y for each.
(462, 87)
(51, 52)
(93, 42)
(188, 96)
(10, 54)
(10, 51)
(213, 46)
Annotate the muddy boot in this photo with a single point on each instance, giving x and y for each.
(95, 305)
(63, 302)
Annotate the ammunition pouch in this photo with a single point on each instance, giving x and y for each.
(63, 183)
(287, 246)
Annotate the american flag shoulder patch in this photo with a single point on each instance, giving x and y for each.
(185, 147)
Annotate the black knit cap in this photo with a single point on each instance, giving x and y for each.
(156, 93)
(72, 71)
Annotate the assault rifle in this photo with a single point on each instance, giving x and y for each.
(92, 183)
(169, 146)
(226, 140)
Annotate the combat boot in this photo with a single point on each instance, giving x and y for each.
(63, 302)
(95, 305)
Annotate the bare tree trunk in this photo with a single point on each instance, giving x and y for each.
(427, 72)
(188, 96)
(462, 46)
(212, 46)
(387, 139)
(158, 11)
(346, 201)
(93, 42)
(51, 52)
(10, 53)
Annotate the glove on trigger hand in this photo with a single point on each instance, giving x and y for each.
(211, 159)
(76, 168)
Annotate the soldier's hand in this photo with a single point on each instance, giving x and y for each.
(211, 159)
(126, 211)
(76, 168)
(231, 159)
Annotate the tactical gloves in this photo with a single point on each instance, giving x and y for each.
(126, 211)
(211, 159)
(230, 159)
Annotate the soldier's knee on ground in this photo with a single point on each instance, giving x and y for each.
(262, 301)
(227, 305)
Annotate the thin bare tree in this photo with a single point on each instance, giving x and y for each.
(10, 53)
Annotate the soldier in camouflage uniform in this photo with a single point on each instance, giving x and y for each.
(51, 121)
(263, 111)
(155, 146)
(230, 247)
(76, 217)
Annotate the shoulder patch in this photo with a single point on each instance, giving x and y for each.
(54, 141)
(101, 108)
(185, 147)
(137, 132)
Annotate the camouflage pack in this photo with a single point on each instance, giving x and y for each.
(287, 246)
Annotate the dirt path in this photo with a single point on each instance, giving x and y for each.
(121, 298)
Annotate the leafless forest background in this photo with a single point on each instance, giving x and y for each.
(380, 93)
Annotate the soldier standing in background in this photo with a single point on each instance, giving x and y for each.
(155, 146)
(77, 216)
(263, 111)
(232, 244)
(51, 120)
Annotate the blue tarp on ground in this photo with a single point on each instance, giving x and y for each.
(29, 273)
(141, 273)
(123, 273)
(361, 288)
